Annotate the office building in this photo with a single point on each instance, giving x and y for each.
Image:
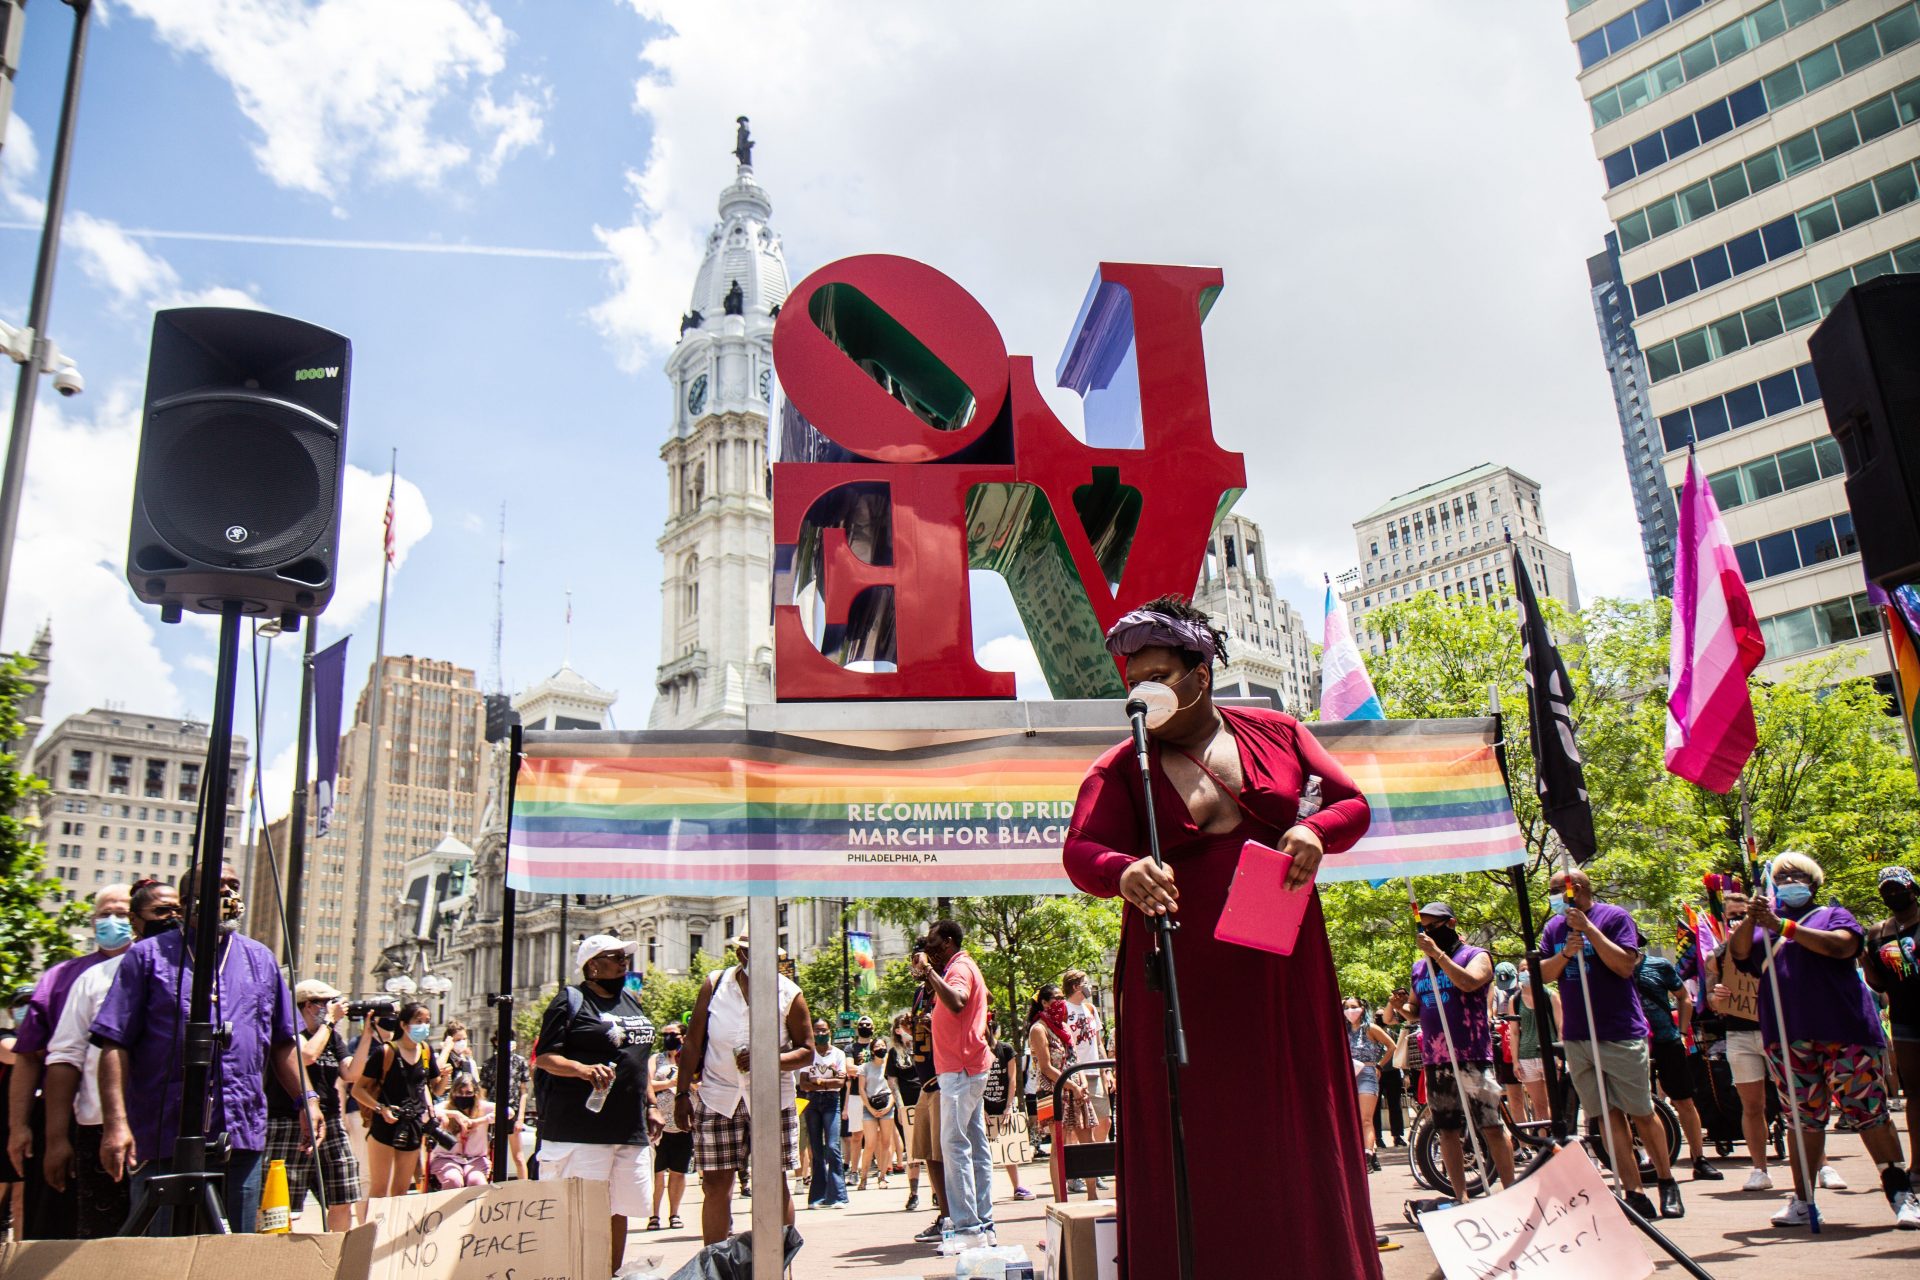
(1450, 538)
(1270, 655)
(123, 795)
(430, 785)
(1653, 501)
(1758, 161)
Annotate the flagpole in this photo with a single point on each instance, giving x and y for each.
(1799, 1146)
(1476, 1140)
(297, 819)
(369, 917)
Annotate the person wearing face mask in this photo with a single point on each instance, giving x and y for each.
(469, 1117)
(1221, 777)
(513, 1099)
(324, 1053)
(1834, 1059)
(393, 1089)
(905, 1082)
(1050, 1042)
(673, 1153)
(1595, 945)
(140, 1028)
(1734, 994)
(49, 1214)
(1891, 966)
(591, 1079)
(1367, 1044)
(1658, 981)
(716, 1056)
(1451, 982)
(824, 1082)
(73, 1075)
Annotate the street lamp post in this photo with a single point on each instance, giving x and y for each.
(41, 356)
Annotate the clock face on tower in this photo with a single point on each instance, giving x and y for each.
(697, 396)
(766, 385)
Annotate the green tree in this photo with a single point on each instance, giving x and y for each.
(1019, 941)
(1829, 776)
(31, 936)
(668, 997)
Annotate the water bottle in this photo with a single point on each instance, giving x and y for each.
(598, 1098)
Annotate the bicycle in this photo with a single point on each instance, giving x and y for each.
(1531, 1139)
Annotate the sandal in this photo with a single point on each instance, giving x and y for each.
(674, 1223)
(653, 1224)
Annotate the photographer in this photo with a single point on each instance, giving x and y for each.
(392, 1089)
(140, 1030)
(591, 1057)
(322, 1052)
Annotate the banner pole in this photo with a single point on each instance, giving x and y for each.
(1799, 1148)
(502, 1000)
(1593, 1041)
(765, 1039)
(1476, 1140)
(1543, 1017)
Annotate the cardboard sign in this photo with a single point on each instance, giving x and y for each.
(1744, 988)
(1560, 1222)
(558, 1230)
(237, 1257)
(1083, 1240)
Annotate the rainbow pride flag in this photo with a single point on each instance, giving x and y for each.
(716, 812)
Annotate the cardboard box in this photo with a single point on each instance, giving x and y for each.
(559, 1230)
(289, 1257)
(1083, 1240)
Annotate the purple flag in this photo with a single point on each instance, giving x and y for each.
(329, 693)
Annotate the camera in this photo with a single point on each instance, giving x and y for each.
(381, 1013)
(417, 1115)
(68, 382)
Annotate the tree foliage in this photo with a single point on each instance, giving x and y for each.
(1830, 776)
(31, 935)
(1019, 942)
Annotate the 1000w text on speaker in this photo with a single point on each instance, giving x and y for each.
(242, 449)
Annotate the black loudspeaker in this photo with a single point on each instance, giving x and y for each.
(242, 451)
(1866, 355)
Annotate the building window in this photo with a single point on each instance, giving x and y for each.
(155, 787)
(80, 770)
(189, 789)
(120, 775)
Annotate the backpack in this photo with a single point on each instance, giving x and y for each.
(379, 1079)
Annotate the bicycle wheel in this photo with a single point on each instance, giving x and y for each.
(1429, 1165)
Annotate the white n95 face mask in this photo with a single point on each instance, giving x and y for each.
(1162, 702)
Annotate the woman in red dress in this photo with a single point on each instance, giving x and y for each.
(1278, 1180)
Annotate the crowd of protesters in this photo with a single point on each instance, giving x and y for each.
(1796, 1020)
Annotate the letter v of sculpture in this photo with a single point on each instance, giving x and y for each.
(914, 449)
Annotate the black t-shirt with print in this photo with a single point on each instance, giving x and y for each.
(1893, 950)
(592, 1030)
(999, 1079)
(323, 1077)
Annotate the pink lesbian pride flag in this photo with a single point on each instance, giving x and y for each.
(1716, 645)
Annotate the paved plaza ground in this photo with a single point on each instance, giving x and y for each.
(1726, 1230)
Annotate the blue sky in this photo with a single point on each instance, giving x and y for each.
(1402, 201)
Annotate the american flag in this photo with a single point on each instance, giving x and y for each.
(389, 518)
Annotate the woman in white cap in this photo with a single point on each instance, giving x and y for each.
(591, 1064)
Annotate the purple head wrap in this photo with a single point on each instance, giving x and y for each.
(1144, 628)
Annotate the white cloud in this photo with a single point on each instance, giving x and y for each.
(336, 85)
(1403, 216)
(69, 560)
(19, 162)
(1015, 653)
(362, 534)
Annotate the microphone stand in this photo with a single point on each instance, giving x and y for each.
(1161, 977)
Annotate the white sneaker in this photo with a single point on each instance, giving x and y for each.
(961, 1241)
(1906, 1210)
(1829, 1179)
(1759, 1180)
(1794, 1215)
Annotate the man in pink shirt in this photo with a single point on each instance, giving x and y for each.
(962, 1059)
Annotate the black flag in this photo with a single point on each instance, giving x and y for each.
(1556, 757)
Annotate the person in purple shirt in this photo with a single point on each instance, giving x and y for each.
(50, 1214)
(1456, 1042)
(1832, 1051)
(140, 1031)
(1591, 947)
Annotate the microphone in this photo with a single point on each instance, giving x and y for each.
(1137, 713)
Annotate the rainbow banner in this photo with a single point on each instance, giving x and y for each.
(866, 978)
(718, 812)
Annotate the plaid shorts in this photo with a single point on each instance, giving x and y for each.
(1826, 1075)
(339, 1167)
(722, 1144)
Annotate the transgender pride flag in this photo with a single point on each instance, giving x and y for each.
(1345, 691)
(1716, 645)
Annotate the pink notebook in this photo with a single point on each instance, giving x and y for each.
(1261, 912)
